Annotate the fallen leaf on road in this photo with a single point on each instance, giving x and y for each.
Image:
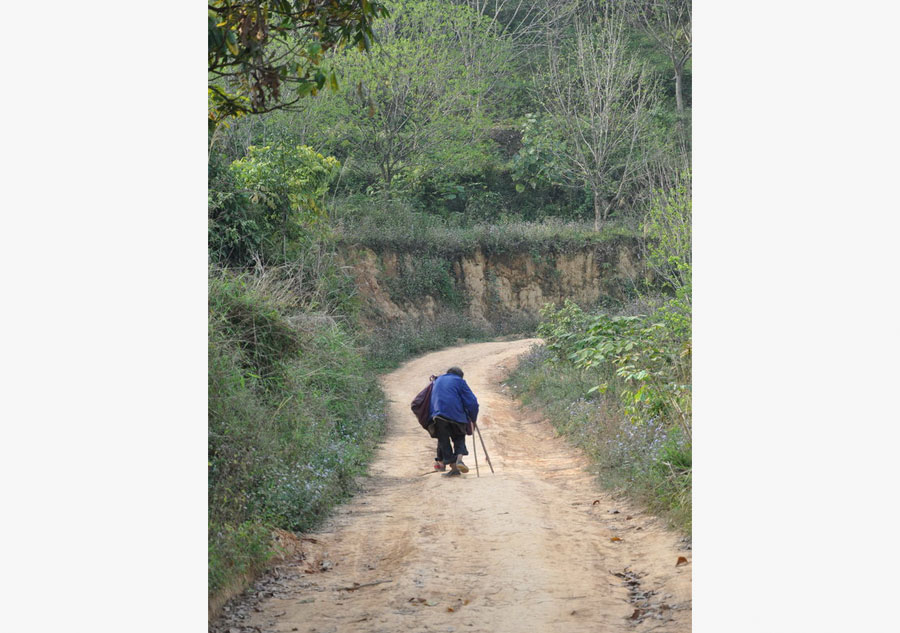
(596, 501)
(615, 538)
(681, 561)
(450, 609)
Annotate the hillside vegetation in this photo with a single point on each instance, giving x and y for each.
(431, 129)
(293, 417)
(618, 382)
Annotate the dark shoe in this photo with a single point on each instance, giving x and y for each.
(462, 467)
(454, 472)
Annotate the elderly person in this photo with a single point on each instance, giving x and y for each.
(453, 407)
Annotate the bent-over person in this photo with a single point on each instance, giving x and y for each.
(453, 407)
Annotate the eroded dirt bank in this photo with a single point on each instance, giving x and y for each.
(503, 283)
(536, 547)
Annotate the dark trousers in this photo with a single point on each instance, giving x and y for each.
(447, 431)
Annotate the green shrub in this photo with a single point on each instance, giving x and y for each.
(236, 551)
(618, 386)
(425, 276)
(294, 415)
(236, 229)
(644, 359)
(396, 226)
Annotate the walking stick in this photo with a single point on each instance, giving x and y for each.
(484, 447)
(475, 448)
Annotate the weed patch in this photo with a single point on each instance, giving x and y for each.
(294, 416)
(425, 276)
(638, 447)
(395, 226)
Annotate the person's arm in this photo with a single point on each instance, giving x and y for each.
(470, 402)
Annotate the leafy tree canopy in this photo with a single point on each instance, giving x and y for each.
(290, 182)
(257, 47)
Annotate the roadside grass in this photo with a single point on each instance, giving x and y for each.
(294, 416)
(395, 225)
(295, 410)
(651, 462)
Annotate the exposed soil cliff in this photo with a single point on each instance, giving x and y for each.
(493, 285)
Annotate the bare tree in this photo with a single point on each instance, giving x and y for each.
(662, 168)
(598, 97)
(410, 96)
(668, 23)
(523, 22)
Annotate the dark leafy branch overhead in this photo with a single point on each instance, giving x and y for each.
(257, 48)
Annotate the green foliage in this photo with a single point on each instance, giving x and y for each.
(257, 47)
(280, 176)
(294, 415)
(436, 116)
(425, 276)
(237, 230)
(644, 46)
(668, 25)
(598, 97)
(412, 118)
(289, 182)
(667, 226)
(620, 384)
(440, 158)
(235, 551)
(642, 358)
(650, 461)
(536, 162)
(395, 226)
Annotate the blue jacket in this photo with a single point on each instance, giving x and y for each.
(451, 398)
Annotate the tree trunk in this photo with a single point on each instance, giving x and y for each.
(599, 216)
(602, 207)
(284, 225)
(387, 176)
(679, 76)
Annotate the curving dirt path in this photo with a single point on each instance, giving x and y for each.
(528, 549)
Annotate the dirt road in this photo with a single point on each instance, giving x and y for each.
(536, 547)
